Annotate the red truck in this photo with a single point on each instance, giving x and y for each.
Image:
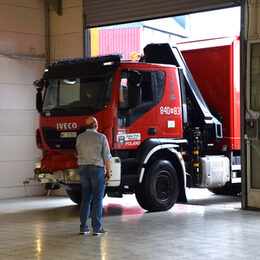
(164, 135)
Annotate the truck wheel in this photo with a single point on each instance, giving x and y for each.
(74, 195)
(140, 196)
(228, 189)
(161, 186)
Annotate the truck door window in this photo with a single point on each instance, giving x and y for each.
(151, 91)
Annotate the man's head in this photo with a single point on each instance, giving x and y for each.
(91, 123)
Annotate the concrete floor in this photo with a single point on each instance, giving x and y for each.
(210, 227)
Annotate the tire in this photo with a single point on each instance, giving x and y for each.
(160, 187)
(75, 194)
(140, 197)
(228, 189)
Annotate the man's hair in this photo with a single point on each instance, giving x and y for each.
(91, 123)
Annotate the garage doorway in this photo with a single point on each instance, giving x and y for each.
(130, 39)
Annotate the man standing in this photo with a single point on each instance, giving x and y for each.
(93, 156)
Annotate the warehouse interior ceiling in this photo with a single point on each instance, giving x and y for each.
(104, 12)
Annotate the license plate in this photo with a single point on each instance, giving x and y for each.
(68, 134)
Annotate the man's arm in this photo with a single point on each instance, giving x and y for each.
(108, 169)
(107, 156)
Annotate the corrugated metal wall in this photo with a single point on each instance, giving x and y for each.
(119, 41)
(106, 12)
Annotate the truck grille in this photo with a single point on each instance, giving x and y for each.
(54, 140)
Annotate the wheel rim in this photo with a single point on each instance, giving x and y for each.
(163, 186)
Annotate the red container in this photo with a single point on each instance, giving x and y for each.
(119, 41)
(215, 66)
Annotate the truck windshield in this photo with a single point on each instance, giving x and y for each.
(74, 95)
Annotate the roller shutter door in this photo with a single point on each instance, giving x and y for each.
(107, 12)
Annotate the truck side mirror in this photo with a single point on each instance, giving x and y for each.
(39, 101)
(38, 84)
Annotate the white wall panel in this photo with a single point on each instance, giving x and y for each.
(66, 31)
(17, 71)
(17, 97)
(70, 21)
(17, 148)
(29, 4)
(66, 46)
(69, 3)
(17, 122)
(21, 19)
(22, 37)
(27, 44)
(21, 191)
(14, 173)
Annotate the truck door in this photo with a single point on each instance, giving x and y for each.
(137, 114)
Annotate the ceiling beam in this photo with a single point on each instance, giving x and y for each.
(56, 6)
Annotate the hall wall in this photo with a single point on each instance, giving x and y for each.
(22, 60)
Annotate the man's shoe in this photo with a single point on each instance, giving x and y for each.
(99, 232)
(86, 232)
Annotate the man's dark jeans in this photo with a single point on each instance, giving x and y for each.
(93, 184)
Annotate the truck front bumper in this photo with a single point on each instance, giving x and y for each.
(62, 178)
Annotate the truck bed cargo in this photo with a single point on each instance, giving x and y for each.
(215, 66)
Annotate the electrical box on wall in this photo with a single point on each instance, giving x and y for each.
(252, 129)
(252, 125)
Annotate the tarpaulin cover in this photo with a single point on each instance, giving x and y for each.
(53, 161)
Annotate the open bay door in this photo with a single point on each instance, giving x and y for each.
(106, 12)
(99, 13)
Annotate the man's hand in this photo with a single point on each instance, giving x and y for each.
(108, 175)
(108, 169)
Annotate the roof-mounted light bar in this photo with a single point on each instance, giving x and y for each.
(106, 59)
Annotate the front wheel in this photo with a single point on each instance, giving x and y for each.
(141, 196)
(160, 187)
(74, 193)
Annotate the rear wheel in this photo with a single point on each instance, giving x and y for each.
(228, 189)
(160, 187)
